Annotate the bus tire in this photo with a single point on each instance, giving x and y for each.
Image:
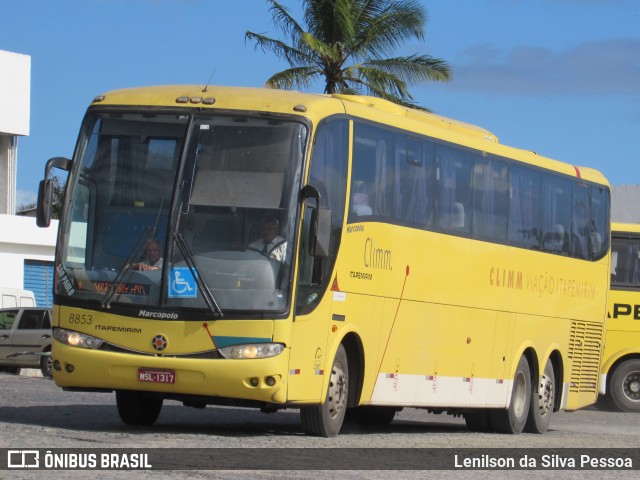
(478, 421)
(513, 419)
(542, 401)
(372, 416)
(135, 408)
(624, 389)
(325, 420)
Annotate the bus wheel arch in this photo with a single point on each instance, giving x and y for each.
(355, 356)
(558, 369)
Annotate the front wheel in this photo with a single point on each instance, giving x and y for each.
(135, 408)
(513, 419)
(326, 420)
(624, 389)
(542, 401)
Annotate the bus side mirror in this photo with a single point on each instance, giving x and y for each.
(45, 200)
(45, 190)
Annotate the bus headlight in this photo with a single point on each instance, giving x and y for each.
(76, 339)
(252, 350)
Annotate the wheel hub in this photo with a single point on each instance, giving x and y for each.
(631, 386)
(545, 395)
(338, 390)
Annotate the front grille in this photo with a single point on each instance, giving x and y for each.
(585, 348)
(108, 347)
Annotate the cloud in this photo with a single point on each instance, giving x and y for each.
(598, 67)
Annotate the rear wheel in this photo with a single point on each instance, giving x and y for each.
(542, 401)
(513, 419)
(624, 389)
(135, 408)
(326, 420)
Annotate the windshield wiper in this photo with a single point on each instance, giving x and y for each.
(195, 271)
(135, 253)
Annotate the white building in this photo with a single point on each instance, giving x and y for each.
(26, 251)
(625, 203)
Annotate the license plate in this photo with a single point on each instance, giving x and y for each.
(156, 376)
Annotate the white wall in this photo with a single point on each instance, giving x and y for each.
(625, 203)
(15, 93)
(21, 239)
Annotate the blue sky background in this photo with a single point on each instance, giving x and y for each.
(560, 77)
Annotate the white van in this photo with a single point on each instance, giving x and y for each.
(16, 297)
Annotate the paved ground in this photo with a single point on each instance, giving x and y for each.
(35, 413)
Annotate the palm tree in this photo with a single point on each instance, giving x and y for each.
(347, 43)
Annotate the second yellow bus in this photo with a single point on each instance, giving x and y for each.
(620, 376)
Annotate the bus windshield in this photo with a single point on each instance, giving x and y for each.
(165, 206)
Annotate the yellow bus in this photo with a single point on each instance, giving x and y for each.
(329, 253)
(620, 376)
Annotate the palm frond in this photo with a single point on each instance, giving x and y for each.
(414, 68)
(284, 21)
(386, 26)
(292, 55)
(293, 78)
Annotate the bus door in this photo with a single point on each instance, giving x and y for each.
(312, 325)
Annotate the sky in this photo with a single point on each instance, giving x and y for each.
(559, 77)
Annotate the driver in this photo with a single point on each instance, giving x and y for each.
(271, 244)
(152, 257)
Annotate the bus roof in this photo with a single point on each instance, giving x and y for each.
(318, 106)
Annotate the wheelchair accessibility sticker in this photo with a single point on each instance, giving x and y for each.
(182, 283)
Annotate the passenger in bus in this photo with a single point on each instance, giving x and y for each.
(270, 244)
(360, 204)
(360, 199)
(152, 257)
(595, 239)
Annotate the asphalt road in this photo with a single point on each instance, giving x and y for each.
(36, 414)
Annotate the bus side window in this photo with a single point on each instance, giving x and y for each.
(557, 200)
(599, 226)
(454, 200)
(625, 261)
(524, 208)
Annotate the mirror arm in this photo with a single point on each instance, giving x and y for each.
(56, 162)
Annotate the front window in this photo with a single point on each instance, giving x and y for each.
(167, 209)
